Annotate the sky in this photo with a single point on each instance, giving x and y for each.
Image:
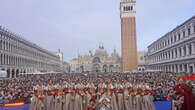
(77, 26)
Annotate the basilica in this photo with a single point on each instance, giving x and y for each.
(99, 61)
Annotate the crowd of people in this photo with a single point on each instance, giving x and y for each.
(92, 91)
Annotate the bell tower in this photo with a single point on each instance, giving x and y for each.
(128, 35)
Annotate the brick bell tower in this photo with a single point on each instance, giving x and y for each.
(128, 35)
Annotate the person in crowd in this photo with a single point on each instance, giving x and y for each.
(183, 95)
(105, 104)
(79, 91)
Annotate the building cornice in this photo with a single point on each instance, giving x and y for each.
(177, 27)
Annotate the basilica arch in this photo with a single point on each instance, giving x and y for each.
(117, 68)
(8, 73)
(81, 69)
(111, 68)
(96, 68)
(17, 73)
(96, 60)
(13, 73)
(105, 68)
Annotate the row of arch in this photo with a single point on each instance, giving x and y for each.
(13, 73)
(141, 68)
(21, 53)
(189, 68)
(111, 68)
(100, 68)
(11, 60)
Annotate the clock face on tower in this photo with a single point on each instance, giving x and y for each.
(128, 8)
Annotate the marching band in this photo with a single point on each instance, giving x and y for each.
(109, 95)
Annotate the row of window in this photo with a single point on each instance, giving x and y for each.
(14, 46)
(174, 68)
(175, 53)
(17, 61)
(173, 38)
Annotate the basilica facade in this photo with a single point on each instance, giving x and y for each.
(99, 61)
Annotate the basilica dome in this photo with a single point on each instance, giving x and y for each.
(101, 51)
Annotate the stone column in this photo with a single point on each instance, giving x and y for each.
(175, 69)
(193, 65)
(171, 69)
(170, 54)
(10, 73)
(161, 57)
(174, 53)
(188, 68)
(187, 50)
(8, 60)
(155, 58)
(178, 67)
(168, 57)
(165, 55)
(167, 68)
(183, 68)
(163, 68)
(15, 74)
(178, 54)
(5, 60)
(193, 47)
(182, 51)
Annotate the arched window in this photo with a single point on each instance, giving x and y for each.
(175, 38)
(179, 36)
(184, 33)
(96, 60)
(105, 68)
(189, 31)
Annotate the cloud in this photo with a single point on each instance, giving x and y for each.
(82, 24)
